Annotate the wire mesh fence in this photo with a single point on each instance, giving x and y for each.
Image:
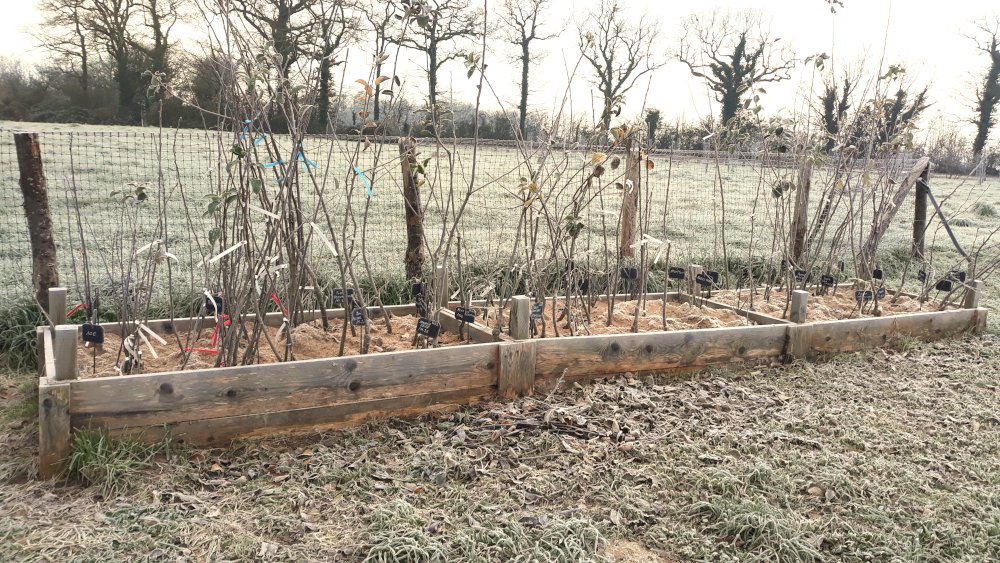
(708, 205)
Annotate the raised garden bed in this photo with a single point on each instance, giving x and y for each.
(212, 406)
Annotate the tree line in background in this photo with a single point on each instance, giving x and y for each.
(120, 62)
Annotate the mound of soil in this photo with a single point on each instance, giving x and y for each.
(309, 342)
(582, 321)
(830, 307)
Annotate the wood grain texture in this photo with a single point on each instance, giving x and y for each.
(517, 368)
(53, 427)
(972, 294)
(800, 304)
(616, 353)
(50, 354)
(833, 337)
(798, 341)
(220, 431)
(520, 317)
(141, 400)
(57, 305)
(64, 349)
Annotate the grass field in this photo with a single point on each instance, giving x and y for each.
(882, 456)
(683, 189)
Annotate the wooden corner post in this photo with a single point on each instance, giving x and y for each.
(800, 301)
(520, 317)
(57, 305)
(44, 266)
(972, 294)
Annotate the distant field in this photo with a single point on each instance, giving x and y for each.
(684, 195)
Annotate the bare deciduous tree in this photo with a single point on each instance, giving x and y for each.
(67, 36)
(987, 93)
(733, 53)
(521, 22)
(333, 26)
(437, 25)
(619, 52)
(283, 22)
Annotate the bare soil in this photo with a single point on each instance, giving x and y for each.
(582, 321)
(309, 342)
(831, 307)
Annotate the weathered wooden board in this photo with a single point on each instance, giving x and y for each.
(653, 351)
(858, 334)
(142, 400)
(517, 368)
(477, 332)
(219, 431)
(53, 426)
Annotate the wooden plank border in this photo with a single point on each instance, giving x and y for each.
(179, 396)
(656, 351)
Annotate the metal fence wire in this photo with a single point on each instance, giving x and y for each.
(685, 193)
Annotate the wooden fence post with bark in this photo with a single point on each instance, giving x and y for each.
(630, 202)
(44, 267)
(800, 221)
(414, 212)
(920, 214)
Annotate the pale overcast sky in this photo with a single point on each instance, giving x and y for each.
(928, 37)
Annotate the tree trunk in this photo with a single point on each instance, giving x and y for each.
(414, 214)
(523, 108)
(44, 267)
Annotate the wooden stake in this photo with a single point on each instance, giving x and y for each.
(64, 346)
(800, 301)
(972, 294)
(57, 305)
(520, 317)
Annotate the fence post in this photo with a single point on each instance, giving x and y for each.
(520, 317)
(414, 257)
(57, 305)
(630, 202)
(920, 213)
(800, 300)
(64, 349)
(972, 294)
(44, 266)
(800, 221)
(441, 284)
